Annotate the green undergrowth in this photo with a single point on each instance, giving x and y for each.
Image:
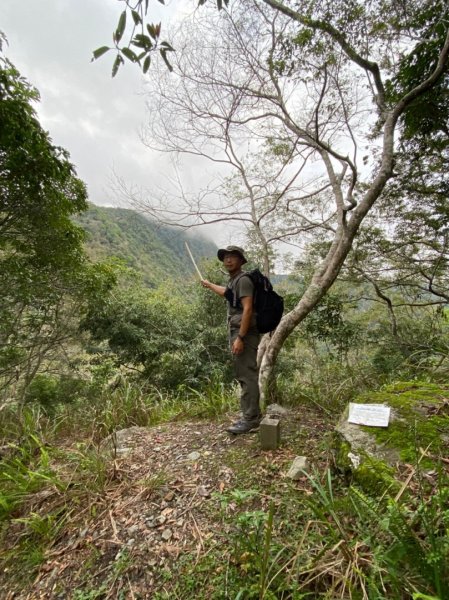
(35, 447)
(280, 541)
(264, 536)
(127, 405)
(320, 539)
(58, 457)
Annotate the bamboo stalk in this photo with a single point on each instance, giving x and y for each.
(193, 261)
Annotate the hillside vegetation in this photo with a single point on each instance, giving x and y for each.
(155, 251)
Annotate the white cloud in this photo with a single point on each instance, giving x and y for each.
(96, 118)
(92, 115)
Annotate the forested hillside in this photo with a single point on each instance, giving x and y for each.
(156, 252)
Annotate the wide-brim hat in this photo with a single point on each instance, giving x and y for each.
(234, 250)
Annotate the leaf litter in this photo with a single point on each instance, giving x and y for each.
(159, 505)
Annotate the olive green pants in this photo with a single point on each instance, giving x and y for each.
(247, 374)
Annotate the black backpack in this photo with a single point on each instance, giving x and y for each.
(268, 305)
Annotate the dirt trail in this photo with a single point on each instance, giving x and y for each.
(162, 502)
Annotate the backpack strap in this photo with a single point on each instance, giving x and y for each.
(231, 297)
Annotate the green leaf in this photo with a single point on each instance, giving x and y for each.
(142, 41)
(130, 55)
(117, 62)
(120, 27)
(136, 17)
(167, 46)
(99, 52)
(165, 59)
(146, 64)
(152, 30)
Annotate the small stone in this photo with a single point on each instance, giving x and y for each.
(131, 542)
(193, 456)
(226, 473)
(276, 410)
(299, 465)
(166, 534)
(123, 450)
(133, 529)
(161, 519)
(203, 491)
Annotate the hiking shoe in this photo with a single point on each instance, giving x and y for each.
(243, 427)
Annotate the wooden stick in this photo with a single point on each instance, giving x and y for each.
(193, 261)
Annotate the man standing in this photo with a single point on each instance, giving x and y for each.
(243, 335)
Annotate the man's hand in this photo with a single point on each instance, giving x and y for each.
(218, 289)
(237, 346)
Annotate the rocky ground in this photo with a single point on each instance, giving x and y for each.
(167, 506)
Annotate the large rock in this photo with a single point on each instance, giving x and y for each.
(363, 440)
(419, 420)
(123, 441)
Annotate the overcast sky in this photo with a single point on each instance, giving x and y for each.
(96, 118)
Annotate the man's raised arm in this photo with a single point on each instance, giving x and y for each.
(218, 289)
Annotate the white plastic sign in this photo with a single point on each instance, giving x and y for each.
(374, 415)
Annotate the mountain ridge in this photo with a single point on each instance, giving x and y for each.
(156, 251)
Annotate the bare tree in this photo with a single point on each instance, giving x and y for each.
(212, 108)
(310, 85)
